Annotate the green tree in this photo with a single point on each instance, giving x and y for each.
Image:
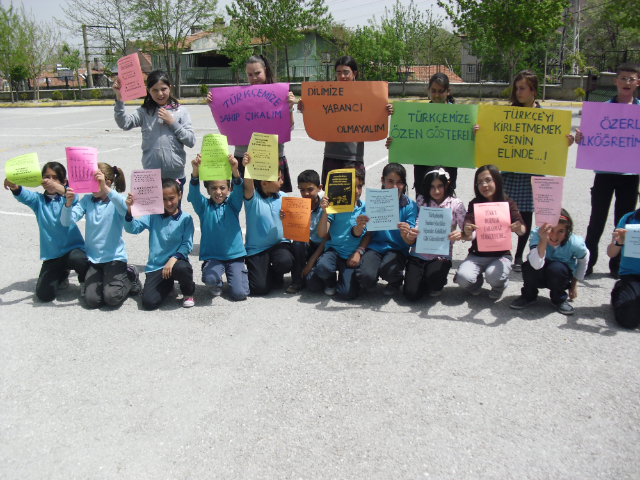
(237, 46)
(12, 47)
(510, 25)
(71, 59)
(438, 46)
(167, 23)
(40, 46)
(626, 11)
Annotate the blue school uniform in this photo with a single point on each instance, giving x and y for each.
(264, 227)
(56, 239)
(629, 265)
(104, 224)
(569, 253)
(383, 241)
(341, 231)
(316, 214)
(169, 236)
(221, 237)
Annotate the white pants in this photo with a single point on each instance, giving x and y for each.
(495, 269)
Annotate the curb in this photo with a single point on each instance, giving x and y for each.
(86, 103)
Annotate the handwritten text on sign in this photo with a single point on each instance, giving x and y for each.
(146, 189)
(82, 164)
(383, 209)
(610, 130)
(296, 224)
(215, 158)
(345, 111)
(263, 150)
(24, 170)
(130, 76)
(524, 140)
(434, 226)
(547, 199)
(443, 130)
(494, 226)
(241, 111)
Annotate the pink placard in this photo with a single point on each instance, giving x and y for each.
(82, 164)
(146, 189)
(131, 80)
(610, 138)
(241, 111)
(494, 226)
(547, 199)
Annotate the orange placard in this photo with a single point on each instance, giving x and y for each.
(346, 111)
(296, 224)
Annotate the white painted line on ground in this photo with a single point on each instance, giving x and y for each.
(83, 123)
(376, 163)
(24, 214)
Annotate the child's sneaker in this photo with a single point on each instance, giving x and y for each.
(565, 308)
(495, 294)
(136, 284)
(390, 290)
(83, 289)
(188, 302)
(435, 293)
(330, 291)
(294, 288)
(63, 284)
(521, 303)
(216, 291)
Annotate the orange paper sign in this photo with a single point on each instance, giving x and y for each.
(494, 226)
(296, 223)
(345, 111)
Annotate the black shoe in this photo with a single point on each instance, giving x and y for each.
(588, 272)
(517, 265)
(522, 302)
(136, 284)
(565, 309)
(277, 280)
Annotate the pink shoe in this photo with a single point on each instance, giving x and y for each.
(188, 302)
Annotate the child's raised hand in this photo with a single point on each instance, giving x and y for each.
(454, 236)
(129, 200)
(246, 159)
(469, 228)
(100, 178)
(233, 161)
(324, 203)
(389, 108)
(618, 235)
(116, 89)
(388, 142)
(209, 97)
(516, 227)
(195, 166)
(70, 196)
(300, 106)
(291, 98)
(9, 186)
(578, 135)
(570, 139)
(361, 220)
(168, 268)
(476, 127)
(165, 116)
(544, 232)
(404, 228)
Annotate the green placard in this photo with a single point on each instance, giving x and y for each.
(24, 170)
(433, 134)
(215, 158)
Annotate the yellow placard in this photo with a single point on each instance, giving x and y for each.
(340, 188)
(215, 158)
(24, 170)
(524, 140)
(263, 149)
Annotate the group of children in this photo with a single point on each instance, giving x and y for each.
(341, 258)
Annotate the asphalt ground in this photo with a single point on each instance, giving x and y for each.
(302, 386)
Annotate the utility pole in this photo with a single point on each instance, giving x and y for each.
(86, 57)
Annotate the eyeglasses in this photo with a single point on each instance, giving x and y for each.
(487, 182)
(628, 79)
(343, 73)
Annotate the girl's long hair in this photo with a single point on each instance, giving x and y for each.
(532, 80)
(115, 175)
(442, 80)
(348, 61)
(149, 103)
(262, 60)
(398, 170)
(499, 196)
(425, 187)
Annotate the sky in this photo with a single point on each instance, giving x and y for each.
(350, 12)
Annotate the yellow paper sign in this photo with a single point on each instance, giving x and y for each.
(524, 140)
(215, 158)
(24, 170)
(341, 190)
(263, 150)
(296, 224)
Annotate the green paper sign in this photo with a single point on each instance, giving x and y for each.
(24, 170)
(215, 158)
(433, 134)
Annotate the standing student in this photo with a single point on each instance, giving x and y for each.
(625, 296)
(221, 249)
(517, 186)
(496, 266)
(259, 72)
(61, 247)
(427, 273)
(557, 259)
(606, 184)
(339, 155)
(387, 252)
(165, 124)
(343, 249)
(170, 241)
(109, 280)
(306, 254)
(269, 254)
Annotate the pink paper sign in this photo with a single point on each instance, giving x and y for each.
(146, 189)
(241, 111)
(547, 199)
(131, 80)
(82, 164)
(494, 226)
(611, 138)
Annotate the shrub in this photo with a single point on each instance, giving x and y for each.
(45, 100)
(96, 93)
(579, 94)
(69, 96)
(506, 93)
(57, 95)
(23, 96)
(204, 90)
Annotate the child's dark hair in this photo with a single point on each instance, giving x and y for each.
(154, 77)
(398, 170)
(628, 67)
(566, 220)
(437, 173)
(361, 174)
(207, 182)
(262, 60)
(442, 80)
(115, 175)
(532, 80)
(258, 186)
(309, 176)
(348, 61)
(57, 167)
(171, 183)
(499, 196)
